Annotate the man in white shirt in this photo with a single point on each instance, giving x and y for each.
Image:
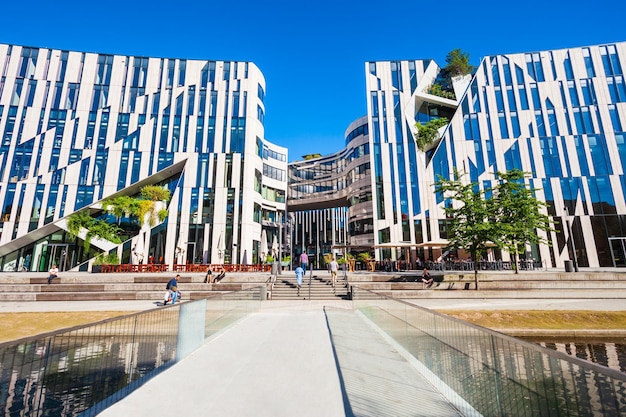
(54, 272)
(334, 267)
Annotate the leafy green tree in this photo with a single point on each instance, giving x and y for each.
(519, 213)
(469, 225)
(427, 133)
(458, 63)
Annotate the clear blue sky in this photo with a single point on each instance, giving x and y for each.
(313, 53)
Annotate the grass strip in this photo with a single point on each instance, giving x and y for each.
(543, 319)
(19, 325)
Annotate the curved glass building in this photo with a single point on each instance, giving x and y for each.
(329, 198)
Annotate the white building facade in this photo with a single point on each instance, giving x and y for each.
(558, 115)
(80, 127)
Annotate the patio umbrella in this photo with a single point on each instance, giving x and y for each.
(263, 246)
(180, 249)
(244, 260)
(221, 246)
(138, 249)
(275, 248)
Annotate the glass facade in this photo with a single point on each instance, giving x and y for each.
(557, 115)
(80, 127)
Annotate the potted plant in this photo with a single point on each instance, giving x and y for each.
(351, 262)
(366, 258)
(96, 266)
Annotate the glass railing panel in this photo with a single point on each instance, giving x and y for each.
(496, 374)
(85, 369)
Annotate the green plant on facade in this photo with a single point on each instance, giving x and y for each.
(427, 133)
(107, 259)
(96, 229)
(311, 156)
(120, 206)
(269, 259)
(457, 64)
(437, 90)
(162, 215)
(155, 193)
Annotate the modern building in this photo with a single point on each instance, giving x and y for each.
(558, 115)
(80, 127)
(329, 199)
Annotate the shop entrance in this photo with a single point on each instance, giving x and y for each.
(53, 253)
(618, 251)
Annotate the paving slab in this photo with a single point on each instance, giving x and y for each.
(273, 363)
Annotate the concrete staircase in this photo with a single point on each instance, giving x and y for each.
(84, 286)
(16, 286)
(534, 284)
(320, 288)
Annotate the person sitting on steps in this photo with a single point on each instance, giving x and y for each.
(220, 276)
(54, 273)
(426, 278)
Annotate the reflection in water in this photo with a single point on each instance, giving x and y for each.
(607, 352)
(76, 376)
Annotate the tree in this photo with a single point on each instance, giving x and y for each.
(519, 213)
(428, 132)
(458, 63)
(469, 224)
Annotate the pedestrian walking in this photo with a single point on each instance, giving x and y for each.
(299, 274)
(334, 267)
(304, 261)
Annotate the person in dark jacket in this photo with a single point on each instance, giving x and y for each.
(172, 287)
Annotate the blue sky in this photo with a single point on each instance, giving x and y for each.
(312, 54)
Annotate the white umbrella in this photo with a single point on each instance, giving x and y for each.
(274, 247)
(263, 245)
(138, 249)
(180, 249)
(221, 246)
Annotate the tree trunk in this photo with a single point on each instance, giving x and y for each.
(475, 262)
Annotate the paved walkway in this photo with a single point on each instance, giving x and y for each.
(298, 358)
(304, 358)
